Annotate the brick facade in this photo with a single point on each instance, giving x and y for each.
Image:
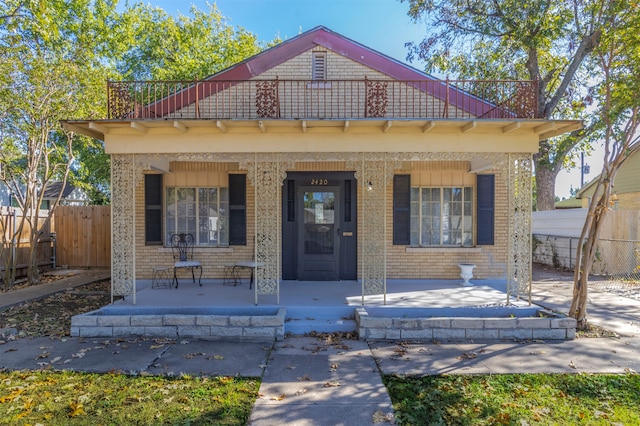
(403, 262)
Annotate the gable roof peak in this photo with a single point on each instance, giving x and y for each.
(329, 39)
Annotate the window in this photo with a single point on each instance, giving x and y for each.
(441, 216)
(319, 66)
(202, 212)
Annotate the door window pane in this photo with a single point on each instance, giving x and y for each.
(319, 222)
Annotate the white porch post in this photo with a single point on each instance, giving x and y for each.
(371, 174)
(520, 205)
(267, 174)
(123, 180)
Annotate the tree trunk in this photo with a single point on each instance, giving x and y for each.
(545, 186)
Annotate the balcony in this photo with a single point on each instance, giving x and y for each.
(322, 100)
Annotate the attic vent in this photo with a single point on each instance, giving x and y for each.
(319, 66)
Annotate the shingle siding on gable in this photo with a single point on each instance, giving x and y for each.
(628, 177)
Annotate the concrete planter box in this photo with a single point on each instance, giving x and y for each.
(381, 323)
(243, 323)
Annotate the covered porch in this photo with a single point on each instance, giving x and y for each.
(373, 239)
(418, 293)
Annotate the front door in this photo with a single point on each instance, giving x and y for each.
(319, 226)
(317, 243)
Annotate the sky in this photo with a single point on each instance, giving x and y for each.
(382, 25)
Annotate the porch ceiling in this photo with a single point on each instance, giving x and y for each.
(544, 129)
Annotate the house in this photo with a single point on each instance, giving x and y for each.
(5, 195)
(626, 186)
(323, 159)
(71, 195)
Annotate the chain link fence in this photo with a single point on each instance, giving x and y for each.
(616, 260)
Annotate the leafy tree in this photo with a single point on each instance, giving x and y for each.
(55, 57)
(52, 69)
(618, 59)
(157, 46)
(542, 40)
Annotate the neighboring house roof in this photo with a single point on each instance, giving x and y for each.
(627, 179)
(52, 190)
(70, 194)
(569, 203)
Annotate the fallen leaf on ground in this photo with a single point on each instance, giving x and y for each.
(279, 397)
(468, 355)
(76, 409)
(380, 417)
(331, 384)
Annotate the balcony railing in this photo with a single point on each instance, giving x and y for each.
(327, 99)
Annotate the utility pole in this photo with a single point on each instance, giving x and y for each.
(585, 169)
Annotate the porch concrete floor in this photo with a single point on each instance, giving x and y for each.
(400, 293)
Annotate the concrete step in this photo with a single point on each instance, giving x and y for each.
(326, 319)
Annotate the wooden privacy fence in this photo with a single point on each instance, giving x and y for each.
(19, 250)
(83, 236)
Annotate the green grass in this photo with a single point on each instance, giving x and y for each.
(71, 398)
(523, 399)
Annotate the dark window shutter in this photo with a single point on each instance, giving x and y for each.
(237, 210)
(486, 209)
(401, 209)
(153, 209)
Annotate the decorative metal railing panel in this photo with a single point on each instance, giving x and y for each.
(328, 99)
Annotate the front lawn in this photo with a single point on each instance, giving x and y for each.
(71, 398)
(517, 399)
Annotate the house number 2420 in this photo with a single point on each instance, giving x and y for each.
(319, 182)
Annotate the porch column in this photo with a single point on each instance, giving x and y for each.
(123, 171)
(372, 181)
(519, 254)
(266, 175)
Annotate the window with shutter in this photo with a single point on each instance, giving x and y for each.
(237, 209)
(153, 209)
(486, 209)
(199, 211)
(401, 209)
(442, 216)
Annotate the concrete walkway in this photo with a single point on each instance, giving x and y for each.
(75, 278)
(312, 381)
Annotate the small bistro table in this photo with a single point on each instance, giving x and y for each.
(232, 272)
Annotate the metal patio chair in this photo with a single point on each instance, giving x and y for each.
(182, 247)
